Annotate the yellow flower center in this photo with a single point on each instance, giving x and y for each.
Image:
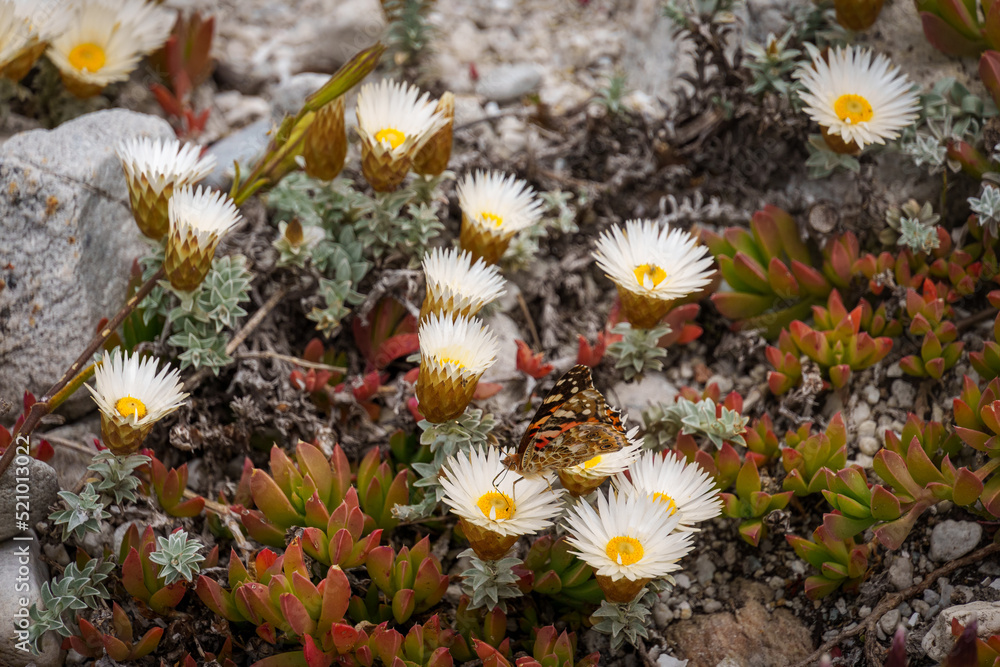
(449, 360)
(87, 57)
(129, 406)
(391, 135)
(853, 109)
(666, 500)
(496, 506)
(650, 275)
(625, 550)
(491, 217)
(592, 463)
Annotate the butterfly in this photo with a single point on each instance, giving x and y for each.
(573, 425)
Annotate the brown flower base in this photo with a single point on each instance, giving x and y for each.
(838, 145)
(443, 396)
(383, 170)
(487, 544)
(149, 208)
(325, 146)
(123, 439)
(187, 263)
(579, 485)
(482, 245)
(620, 590)
(433, 157)
(643, 312)
(857, 14)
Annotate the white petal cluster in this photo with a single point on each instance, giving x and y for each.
(120, 377)
(452, 275)
(858, 96)
(524, 509)
(654, 261)
(680, 487)
(498, 203)
(627, 537)
(605, 465)
(395, 117)
(202, 213)
(163, 162)
(461, 346)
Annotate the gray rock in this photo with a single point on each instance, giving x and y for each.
(901, 573)
(634, 397)
(938, 640)
(68, 240)
(954, 539)
(889, 621)
(871, 394)
(704, 569)
(869, 445)
(682, 581)
(243, 146)
(287, 97)
(27, 481)
(664, 660)
(22, 573)
(904, 393)
(508, 83)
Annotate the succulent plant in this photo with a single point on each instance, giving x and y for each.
(177, 557)
(557, 573)
(637, 350)
(424, 645)
(550, 648)
(488, 627)
(531, 363)
(169, 486)
(703, 419)
(913, 226)
(79, 588)
(144, 578)
(411, 580)
(987, 361)
(841, 562)
(762, 443)
(117, 473)
(769, 270)
(810, 459)
(119, 643)
(840, 350)
(938, 351)
(380, 491)
(977, 416)
(342, 542)
(751, 504)
(784, 357)
(83, 514)
(932, 437)
(591, 355)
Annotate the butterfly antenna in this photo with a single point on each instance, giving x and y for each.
(500, 476)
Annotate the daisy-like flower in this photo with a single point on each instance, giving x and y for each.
(198, 220)
(652, 266)
(153, 170)
(857, 98)
(132, 396)
(25, 28)
(104, 41)
(394, 122)
(680, 487)
(628, 540)
(494, 516)
(456, 284)
(495, 207)
(583, 478)
(454, 353)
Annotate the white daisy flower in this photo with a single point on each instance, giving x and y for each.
(199, 218)
(652, 266)
(394, 122)
(498, 202)
(454, 353)
(456, 284)
(860, 98)
(153, 169)
(627, 537)
(501, 508)
(104, 41)
(680, 487)
(132, 396)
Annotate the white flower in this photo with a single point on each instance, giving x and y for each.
(395, 117)
(628, 537)
(463, 285)
(104, 40)
(203, 214)
(498, 204)
(502, 508)
(461, 347)
(129, 391)
(653, 261)
(859, 98)
(605, 465)
(680, 487)
(163, 162)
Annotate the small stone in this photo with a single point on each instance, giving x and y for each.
(724, 382)
(931, 597)
(29, 483)
(889, 621)
(634, 397)
(823, 217)
(682, 581)
(904, 393)
(25, 573)
(776, 583)
(953, 539)
(894, 371)
(938, 640)
(685, 611)
(704, 569)
(871, 394)
(664, 660)
(901, 573)
(869, 445)
(864, 612)
(861, 413)
(864, 461)
(922, 608)
(662, 614)
(508, 83)
(867, 428)
(712, 606)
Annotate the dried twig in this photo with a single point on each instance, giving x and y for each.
(267, 354)
(893, 600)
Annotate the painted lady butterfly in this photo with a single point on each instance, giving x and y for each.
(573, 424)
